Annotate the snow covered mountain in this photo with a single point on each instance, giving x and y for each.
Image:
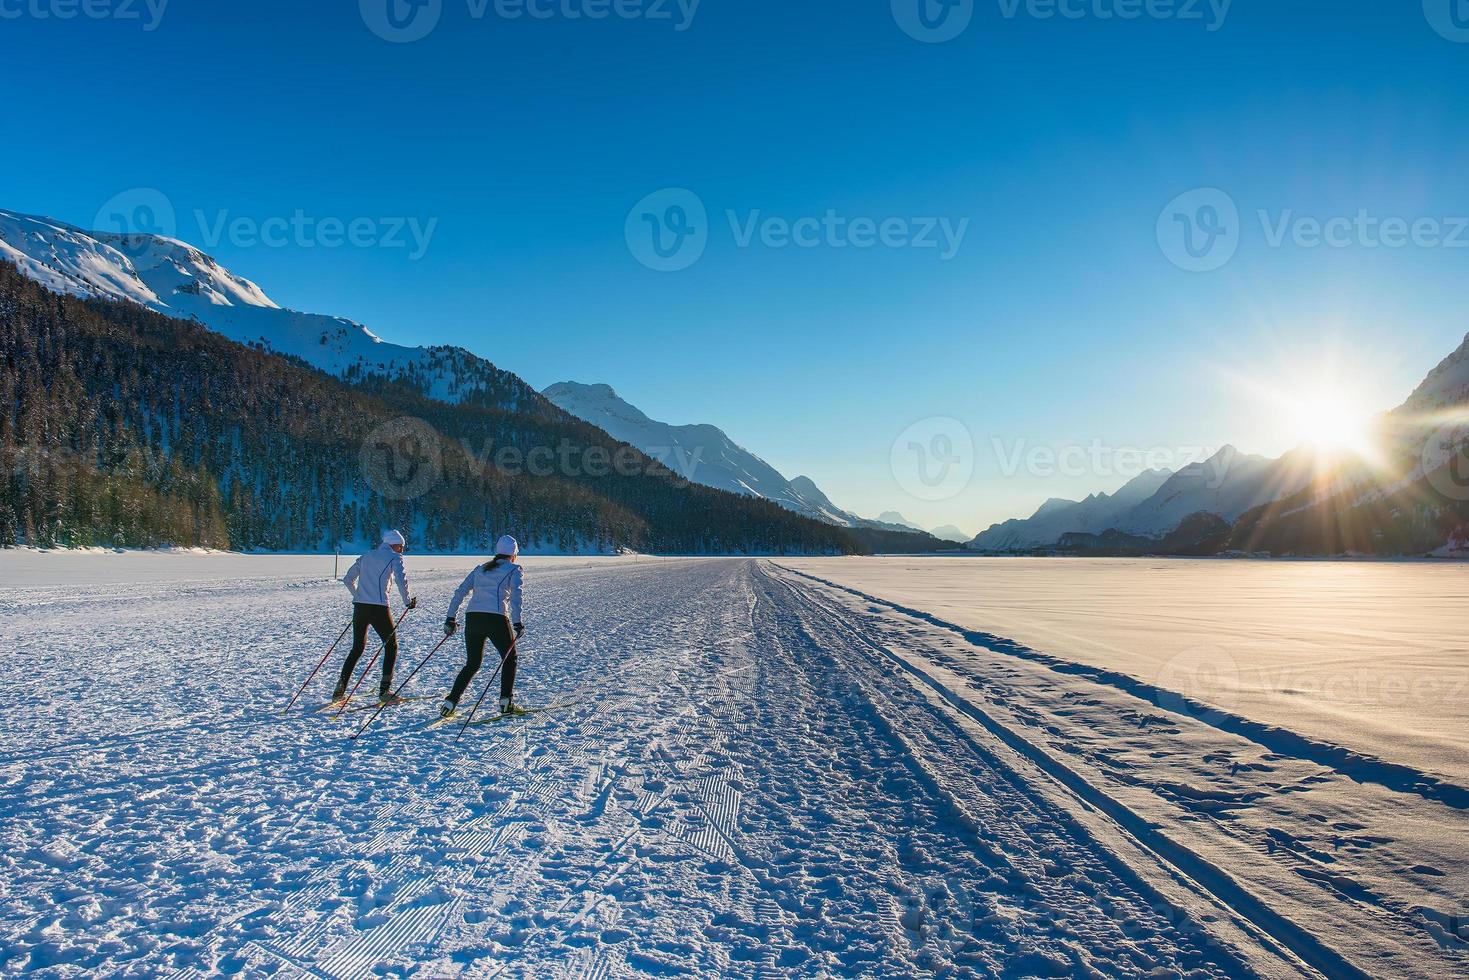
(1446, 386)
(1056, 517)
(1296, 504)
(1226, 485)
(1156, 502)
(176, 279)
(949, 532)
(702, 454)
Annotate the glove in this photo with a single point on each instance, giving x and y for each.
(450, 626)
(413, 603)
(519, 629)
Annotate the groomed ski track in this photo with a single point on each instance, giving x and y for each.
(752, 784)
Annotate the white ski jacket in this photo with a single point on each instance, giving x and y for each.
(496, 591)
(367, 579)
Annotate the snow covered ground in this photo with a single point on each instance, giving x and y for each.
(1372, 656)
(756, 775)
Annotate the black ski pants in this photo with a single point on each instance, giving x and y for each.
(380, 618)
(479, 627)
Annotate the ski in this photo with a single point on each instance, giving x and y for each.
(355, 707)
(523, 713)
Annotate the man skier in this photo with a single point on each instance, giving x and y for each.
(494, 614)
(367, 580)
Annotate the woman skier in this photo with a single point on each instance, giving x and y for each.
(494, 614)
(367, 580)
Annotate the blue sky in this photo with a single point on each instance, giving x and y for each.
(1060, 323)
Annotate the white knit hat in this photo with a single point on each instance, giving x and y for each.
(394, 537)
(507, 546)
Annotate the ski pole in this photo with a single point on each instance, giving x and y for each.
(415, 670)
(381, 647)
(309, 676)
(503, 657)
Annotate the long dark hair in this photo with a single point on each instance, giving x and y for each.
(494, 563)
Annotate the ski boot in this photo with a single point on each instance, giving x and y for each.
(510, 709)
(447, 709)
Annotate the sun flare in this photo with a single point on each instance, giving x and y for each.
(1330, 420)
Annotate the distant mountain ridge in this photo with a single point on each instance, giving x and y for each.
(1414, 500)
(704, 454)
(1056, 517)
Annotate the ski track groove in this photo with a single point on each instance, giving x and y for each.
(968, 695)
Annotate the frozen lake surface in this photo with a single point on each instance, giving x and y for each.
(1372, 656)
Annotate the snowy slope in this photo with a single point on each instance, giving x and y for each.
(700, 453)
(1447, 385)
(178, 280)
(1056, 517)
(1227, 484)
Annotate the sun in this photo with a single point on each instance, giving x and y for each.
(1331, 420)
